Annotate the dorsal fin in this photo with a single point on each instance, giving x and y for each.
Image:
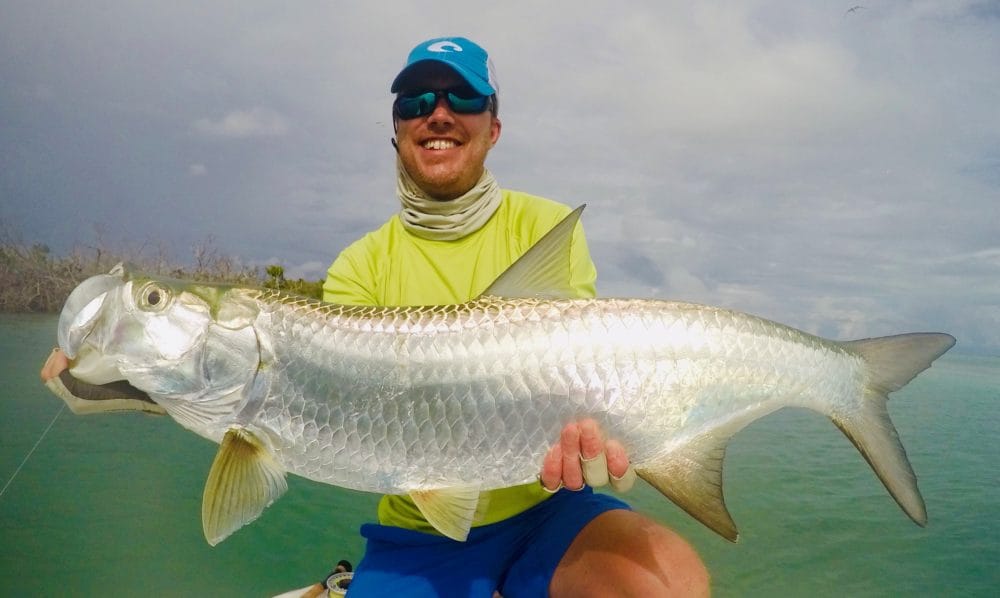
(544, 270)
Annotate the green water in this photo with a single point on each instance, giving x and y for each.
(109, 505)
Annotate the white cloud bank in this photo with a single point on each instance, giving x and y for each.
(243, 124)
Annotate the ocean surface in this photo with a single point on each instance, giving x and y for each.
(109, 505)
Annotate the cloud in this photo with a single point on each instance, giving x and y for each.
(242, 124)
(837, 174)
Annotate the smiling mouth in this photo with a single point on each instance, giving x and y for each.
(439, 144)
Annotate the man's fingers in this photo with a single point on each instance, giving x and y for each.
(572, 472)
(55, 363)
(583, 457)
(551, 476)
(620, 471)
(625, 481)
(591, 439)
(592, 460)
(617, 458)
(595, 470)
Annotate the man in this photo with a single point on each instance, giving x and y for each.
(456, 232)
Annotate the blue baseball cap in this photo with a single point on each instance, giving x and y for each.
(462, 55)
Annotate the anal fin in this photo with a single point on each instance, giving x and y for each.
(244, 480)
(450, 510)
(691, 477)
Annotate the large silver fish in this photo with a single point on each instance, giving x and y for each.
(444, 402)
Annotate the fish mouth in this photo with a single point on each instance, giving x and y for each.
(97, 385)
(79, 329)
(94, 383)
(85, 399)
(93, 367)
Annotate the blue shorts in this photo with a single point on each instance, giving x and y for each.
(517, 556)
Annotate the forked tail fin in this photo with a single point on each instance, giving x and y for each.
(891, 362)
(691, 475)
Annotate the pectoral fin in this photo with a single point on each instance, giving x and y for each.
(450, 510)
(691, 477)
(244, 480)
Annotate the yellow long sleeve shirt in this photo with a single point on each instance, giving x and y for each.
(391, 266)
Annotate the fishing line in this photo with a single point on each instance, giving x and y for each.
(28, 456)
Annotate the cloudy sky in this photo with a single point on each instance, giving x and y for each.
(834, 169)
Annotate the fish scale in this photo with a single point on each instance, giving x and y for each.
(586, 357)
(443, 402)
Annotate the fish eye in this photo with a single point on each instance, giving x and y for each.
(154, 297)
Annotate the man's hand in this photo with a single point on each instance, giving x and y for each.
(55, 364)
(582, 457)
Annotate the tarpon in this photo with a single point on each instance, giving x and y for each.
(444, 402)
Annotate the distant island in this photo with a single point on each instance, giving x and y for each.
(33, 280)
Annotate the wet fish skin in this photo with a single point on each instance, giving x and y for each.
(445, 402)
(426, 398)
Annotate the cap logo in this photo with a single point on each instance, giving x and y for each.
(445, 46)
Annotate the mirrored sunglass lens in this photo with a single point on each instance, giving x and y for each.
(416, 105)
(467, 105)
(421, 104)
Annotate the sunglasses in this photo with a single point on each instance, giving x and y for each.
(461, 100)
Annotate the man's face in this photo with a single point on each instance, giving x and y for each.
(445, 152)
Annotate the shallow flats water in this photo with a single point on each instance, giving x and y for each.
(110, 504)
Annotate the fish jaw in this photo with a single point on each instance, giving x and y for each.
(81, 327)
(83, 309)
(191, 348)
(116, 327)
